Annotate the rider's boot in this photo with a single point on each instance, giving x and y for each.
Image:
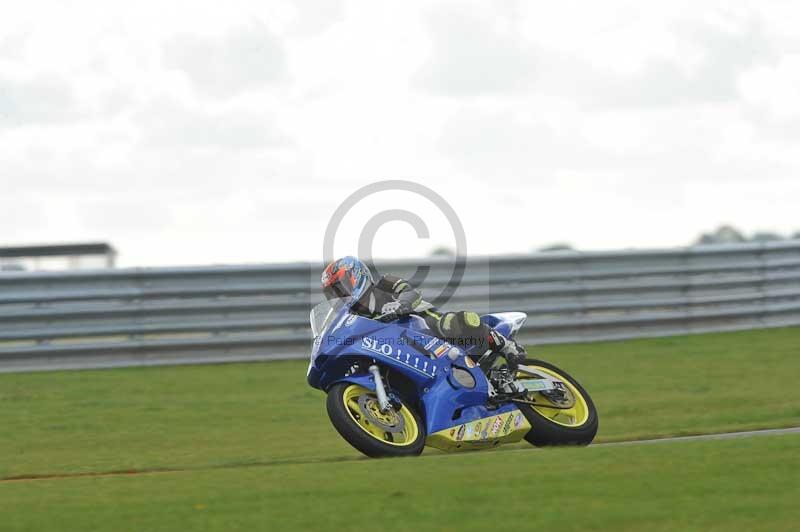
(504, 378)
(508, 348)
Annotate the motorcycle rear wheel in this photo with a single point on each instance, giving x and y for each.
(574, 422)
(354, 413)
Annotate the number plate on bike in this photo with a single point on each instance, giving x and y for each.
(537, 385)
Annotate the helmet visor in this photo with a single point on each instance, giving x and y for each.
(336, 290)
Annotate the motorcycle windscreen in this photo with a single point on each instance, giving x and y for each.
(323, 314)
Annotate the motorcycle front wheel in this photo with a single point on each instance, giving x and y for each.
(568, 417)
(355, 413)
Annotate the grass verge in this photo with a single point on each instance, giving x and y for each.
(744, 484)
(239, 414)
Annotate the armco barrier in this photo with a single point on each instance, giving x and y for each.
(107, 318)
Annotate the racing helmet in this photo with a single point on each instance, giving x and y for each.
(346, 277)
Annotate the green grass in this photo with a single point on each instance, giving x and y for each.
(210, 416)
(249, 447)
(746, 484)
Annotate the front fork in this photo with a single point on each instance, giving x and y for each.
(380, 390)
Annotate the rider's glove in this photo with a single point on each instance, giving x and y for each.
(395, 309)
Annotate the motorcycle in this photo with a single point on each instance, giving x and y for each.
(394, 387)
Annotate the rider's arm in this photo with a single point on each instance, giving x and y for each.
(400, 289)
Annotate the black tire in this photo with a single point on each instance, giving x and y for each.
(545, 432)
(358, 437)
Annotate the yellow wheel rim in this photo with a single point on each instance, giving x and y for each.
(393, 427)
(572, 412)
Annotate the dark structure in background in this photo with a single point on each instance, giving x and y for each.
(727, 234)
(83, 256)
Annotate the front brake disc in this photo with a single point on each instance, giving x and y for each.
(561, 396)
(389, 421)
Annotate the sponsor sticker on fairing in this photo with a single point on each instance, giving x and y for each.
(461, 431)
(417, 362)
(517, 420)
(507, 424)
(442, 349)
(498, 422)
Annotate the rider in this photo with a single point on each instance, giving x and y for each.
(393, 297)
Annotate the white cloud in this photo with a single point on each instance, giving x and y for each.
(722, 55)
(167, 126)
(44, 99)
(474, 55)
(771, 92)
(187, 132)
(317, 16)
(244, 58)
(500, 146)
(12, 45)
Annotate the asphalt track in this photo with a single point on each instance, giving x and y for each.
(719, 436)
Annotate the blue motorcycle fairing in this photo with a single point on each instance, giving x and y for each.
(367, 381)
(402, 347)
(356, 336)
(447, 405)
(506, 323)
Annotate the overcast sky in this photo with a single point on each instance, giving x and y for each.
(226, 132)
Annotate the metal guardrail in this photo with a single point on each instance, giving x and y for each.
(107, 318)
